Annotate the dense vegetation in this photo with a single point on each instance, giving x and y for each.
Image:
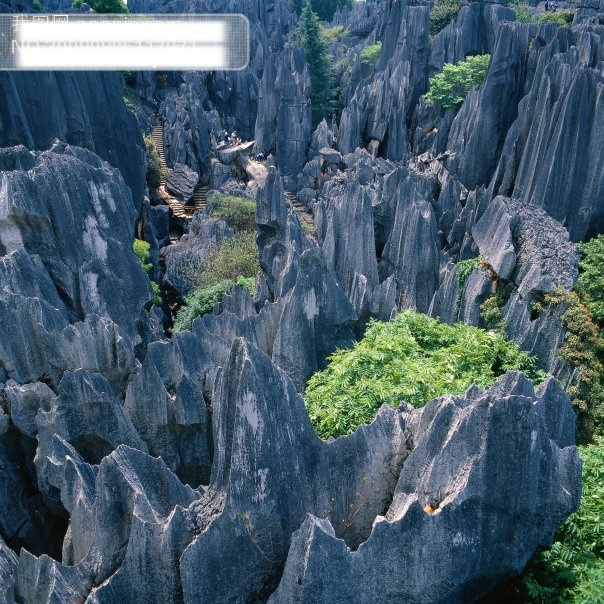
(442, 13)
(450, 87)
(154, 167)
(141, 249)
(233, 261)
(524, 15)
(202, 301)
(238, 212)
(370, 54)
(413, 358)
(320, 65)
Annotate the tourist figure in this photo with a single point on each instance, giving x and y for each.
(260, 156)
(234, 137)
(546, 6)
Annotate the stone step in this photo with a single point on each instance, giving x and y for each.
(302, 212)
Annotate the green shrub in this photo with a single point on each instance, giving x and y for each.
(522, 12)
(234, 257)
(335, 34)
(141, 249)
(584, 348)
(202, 301)
(450, 87)
(370, 54)
(442, 13)
(155, 171)
(465, 268)
(590, 285)
(413, 358)
(563, 17)
(38, 6)
(237, 212)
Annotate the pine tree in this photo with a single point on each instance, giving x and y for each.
(323, 97)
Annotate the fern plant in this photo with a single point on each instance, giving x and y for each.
(413, 358)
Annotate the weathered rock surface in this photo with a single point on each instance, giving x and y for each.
(88, 399)
(80, 108)
(438, 493)
(182, 182)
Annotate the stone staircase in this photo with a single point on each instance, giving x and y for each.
(178, 209)
(200, 198)
(305, 216)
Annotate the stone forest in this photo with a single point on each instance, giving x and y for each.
(326, 329)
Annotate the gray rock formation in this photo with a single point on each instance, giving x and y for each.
(182, 182)
(436, 494)
(82, 109)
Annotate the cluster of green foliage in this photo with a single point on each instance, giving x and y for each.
(141, 249)
(370, 54)
(38, 6)
(450, 87)
(104, 6)
(464, 268)
(237, 212)
(325, 9)
(523, 14)
(335, 34)
(584, 348)
(562, 17)
(234, 257)
(590, 285)
(320, 65)
(234, 261)
(202, 301)
(413, 358)
(154, 167)
(573, 570)
(442, 13)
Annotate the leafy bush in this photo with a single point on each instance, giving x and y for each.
(37, 5)
(141, 249)
(465, 268)
(590, 285)
(563, 17)
(154, 167)
(331, 35)
(442, 13)
(370, 54)
(234, 257)
(584, 348)
(237, 212)
(202, 301)
(450, 87)
(522, 12)
(413, 358)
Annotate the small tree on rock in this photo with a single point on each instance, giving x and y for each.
(320, 66)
